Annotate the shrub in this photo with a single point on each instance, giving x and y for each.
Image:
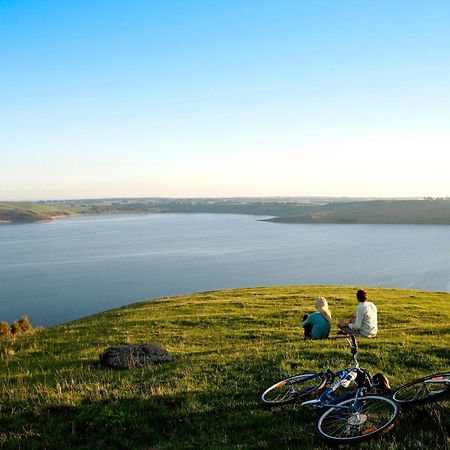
(5, 329)
(22, 325)
(15, 329)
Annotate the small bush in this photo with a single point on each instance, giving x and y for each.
(15, 329)
(22, 325)
(5, 329)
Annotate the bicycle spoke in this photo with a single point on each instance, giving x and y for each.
(423, 389)
(291, 389)
(367, 417)
(283, 395)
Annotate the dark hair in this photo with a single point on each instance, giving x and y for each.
(361, 295)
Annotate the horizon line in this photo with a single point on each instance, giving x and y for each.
(234, 197)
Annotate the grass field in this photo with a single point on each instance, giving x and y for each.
(32, 211)
(227, 347)
(376, 211)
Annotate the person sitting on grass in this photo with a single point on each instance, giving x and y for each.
(365, 321)
(317, 325)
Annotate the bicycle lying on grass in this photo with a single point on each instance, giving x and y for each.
(356, 416)
(423, 390)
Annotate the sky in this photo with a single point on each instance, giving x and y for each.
(224, 98)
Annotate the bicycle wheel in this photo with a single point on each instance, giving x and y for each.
(423, 389)
(350, 422)
(291, 389)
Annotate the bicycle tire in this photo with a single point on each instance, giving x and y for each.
(293, 388)
(376, 415)
(423, 389)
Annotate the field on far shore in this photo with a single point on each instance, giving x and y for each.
(283, 210)
(227, 346)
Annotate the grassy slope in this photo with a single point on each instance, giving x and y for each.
(228, 346)
(375, 211)
(32, 212)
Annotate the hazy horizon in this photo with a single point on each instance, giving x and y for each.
(224, 99)
(237, 197)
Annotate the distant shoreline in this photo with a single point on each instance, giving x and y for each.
(427, 211)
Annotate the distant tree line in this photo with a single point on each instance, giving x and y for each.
(433, 199)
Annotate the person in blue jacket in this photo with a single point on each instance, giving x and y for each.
(318, 324)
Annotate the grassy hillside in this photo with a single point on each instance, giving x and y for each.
(228, 346)
(375, 211)
(32, 212)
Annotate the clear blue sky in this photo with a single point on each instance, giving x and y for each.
(224, 98)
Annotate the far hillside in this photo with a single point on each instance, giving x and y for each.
(286, 210)
(375, 211)
(18, 212)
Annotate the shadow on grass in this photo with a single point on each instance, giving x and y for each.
(172, 422)
(160, 422)
(228, 415)
(224, 413)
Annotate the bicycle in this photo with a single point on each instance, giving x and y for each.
(423, 389)
(353, 417)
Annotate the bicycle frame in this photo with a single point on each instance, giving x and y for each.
(326, 399)
(343, 418)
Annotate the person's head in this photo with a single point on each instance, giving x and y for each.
(361, 295)
(322, 307)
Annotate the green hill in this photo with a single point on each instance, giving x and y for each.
(227, 346)
(375, 211)
(32, 211)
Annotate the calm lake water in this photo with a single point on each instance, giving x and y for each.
(58, 271)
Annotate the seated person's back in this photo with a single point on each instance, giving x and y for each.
(317, 325)
(320, 326)
(366, 319)
(365, 323)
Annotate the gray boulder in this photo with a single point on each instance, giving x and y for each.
(136, 355)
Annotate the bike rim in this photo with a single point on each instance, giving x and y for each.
(424, 389)
(288, 390)
(373, 416)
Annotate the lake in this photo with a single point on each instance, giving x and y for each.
(61, 270)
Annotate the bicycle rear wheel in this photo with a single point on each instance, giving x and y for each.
(294, 388)
(423, 389)
(353, 421)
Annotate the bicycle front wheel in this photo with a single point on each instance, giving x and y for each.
(423, 389)
(352, 420)
(294, 388)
